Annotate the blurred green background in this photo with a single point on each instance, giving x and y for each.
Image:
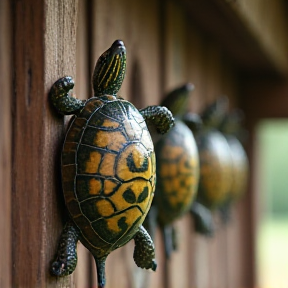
(272, 187)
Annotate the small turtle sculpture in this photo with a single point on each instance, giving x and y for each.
(234, 134)
(108, 168)
(177, 170)
(215, 158)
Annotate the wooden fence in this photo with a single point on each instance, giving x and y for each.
(168, 43)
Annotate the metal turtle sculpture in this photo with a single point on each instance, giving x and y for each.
(108, 168)
(177, 170)
(234, 134)
(215, 158)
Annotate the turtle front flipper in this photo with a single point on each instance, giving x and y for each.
(159, 116)
(61, 99)
(203, 219)
(66, 260)
(144, 252)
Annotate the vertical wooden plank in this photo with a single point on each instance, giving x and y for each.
(60, 60)
(137, 24)
(230, 83)
(175, 45)
(5, 144)
(174, 71)
(83, 91)
(214, 77)
(195, 59)
(212, 70)
(108, 24)
(217, 245)
(196, 73)
(83, 81)
(44, 50)
(180, 263)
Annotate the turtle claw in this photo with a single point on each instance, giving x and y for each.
(154, 265)
(62, 86)
(66, 260)
(59, 268)
(60, 98)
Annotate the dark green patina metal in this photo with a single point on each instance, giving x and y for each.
(66, 260)
(215, 163)
(215, 157)
(108, 168)
(177, 170)
(231, 127)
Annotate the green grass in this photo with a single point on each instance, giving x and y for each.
(272, 253)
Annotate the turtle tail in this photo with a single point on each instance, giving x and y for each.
(100, 264)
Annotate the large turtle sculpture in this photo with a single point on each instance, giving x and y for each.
(234, 134)
(108, 168)
(177, 170)
(215, 158)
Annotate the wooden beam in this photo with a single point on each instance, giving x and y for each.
(224, 23)
(44, 47)
(5, 144)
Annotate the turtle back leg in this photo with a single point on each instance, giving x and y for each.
(203, 219)
(144, 252)
(61, 99)
(66, 259)
(159, 116)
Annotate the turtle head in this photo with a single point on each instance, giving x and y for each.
(110, 70)
(232, 125)
(213, 114)
(177, 100)
(193, 121)
(232, 122)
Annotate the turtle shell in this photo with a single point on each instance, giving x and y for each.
(215, 168)
(177, 173)
(108, 173)
(239, 167)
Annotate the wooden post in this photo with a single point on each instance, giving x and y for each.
(44, 45)
(5, 145)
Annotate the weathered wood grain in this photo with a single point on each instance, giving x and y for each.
(165, 47)
(174, 45)
(259, 16)
(44, 49)
(137, 24)
(83, 91)
(5, 144)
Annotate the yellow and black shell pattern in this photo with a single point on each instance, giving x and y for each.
(240, 168)
(108, 172)
(215, 168)
(177, 164)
